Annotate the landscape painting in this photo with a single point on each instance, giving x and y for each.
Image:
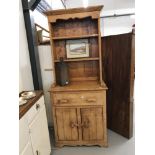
(77, 48)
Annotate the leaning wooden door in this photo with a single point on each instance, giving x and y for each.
(66, 124)
(92, 124)
(118, 63)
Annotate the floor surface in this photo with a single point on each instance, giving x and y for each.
(118, 145)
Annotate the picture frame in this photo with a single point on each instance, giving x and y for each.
(77, 48)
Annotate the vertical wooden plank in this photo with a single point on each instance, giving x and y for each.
(52, 50)
(73, 118)
(100, 54)
(92, 124)
(132, 77)
(79, 118)
(59, 122)
(66, 121)
(99, 124)
(104, 108)
(85, 131)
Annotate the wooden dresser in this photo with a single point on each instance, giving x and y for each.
(79, 108)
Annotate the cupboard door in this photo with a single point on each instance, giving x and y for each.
(39, 134)
(67, 124)
(92, 123)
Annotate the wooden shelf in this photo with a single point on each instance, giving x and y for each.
(80, 85)
(75, 37)
(79, 59)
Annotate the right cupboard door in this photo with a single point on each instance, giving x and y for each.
(93, 123)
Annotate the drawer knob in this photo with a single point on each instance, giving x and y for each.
(91, 100)
(63, 101)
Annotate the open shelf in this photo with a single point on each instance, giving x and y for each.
(80, 85)
(79, 59)
(75, 37)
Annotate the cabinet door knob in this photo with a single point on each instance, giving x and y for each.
(73, 124)
(37, 106)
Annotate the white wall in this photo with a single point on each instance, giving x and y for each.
(57, 4)
(116, 25)
(40, 19)
(108, 4)
(25, 73)
(47, 77)
(111, 26)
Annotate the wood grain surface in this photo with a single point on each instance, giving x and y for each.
(118, 62)
(24, 108)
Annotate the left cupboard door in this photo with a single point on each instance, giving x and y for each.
(27, 150)
(39, 134)
(66, 124)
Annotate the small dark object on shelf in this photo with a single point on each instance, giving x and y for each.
(63, 78)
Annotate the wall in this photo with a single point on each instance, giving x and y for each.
(57, 4)
(25, 73)
(115, 25)
(47, 77)
(108, 4)
(40, 19)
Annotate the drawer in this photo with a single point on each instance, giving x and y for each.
(35, 109)
(80, 98)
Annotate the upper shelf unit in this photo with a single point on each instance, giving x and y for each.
(75, 37)
(74, 29)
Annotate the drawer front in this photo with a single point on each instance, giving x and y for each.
(35, 109)
(80, 98)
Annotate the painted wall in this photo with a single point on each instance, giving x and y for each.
(108, 4)
(116, 25)
(40, 19)
(111, 26)
(47, 77)
(25, 73)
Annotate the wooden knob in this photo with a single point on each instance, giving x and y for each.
(91, 100)
(63, 101)
(73, 124)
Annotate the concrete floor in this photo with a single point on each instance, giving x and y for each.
(118, 145)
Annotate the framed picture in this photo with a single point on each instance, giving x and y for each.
(77, 48)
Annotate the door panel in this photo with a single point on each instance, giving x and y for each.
(118, 67)
(39, 134)
(92, 120)
(66, 120)
(23, 133)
